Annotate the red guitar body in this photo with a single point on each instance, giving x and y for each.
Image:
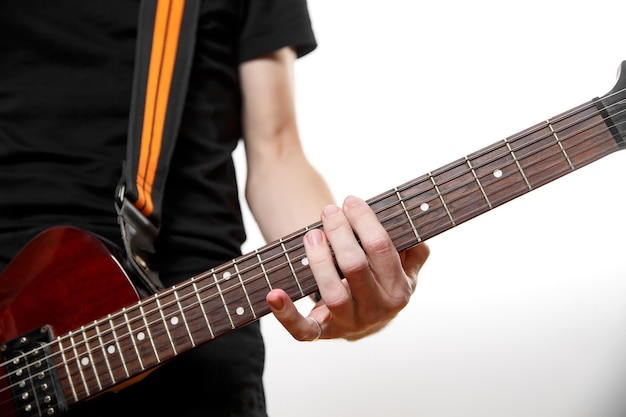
(64, 278)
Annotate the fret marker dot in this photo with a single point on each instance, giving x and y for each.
(305, 261)
(424, 207)
(226, 275)
(141, 336)
(239, 311)
(111, 349)
(174, 321)
(497, 173)
(84, 361)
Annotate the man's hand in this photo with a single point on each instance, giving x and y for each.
(374, 284)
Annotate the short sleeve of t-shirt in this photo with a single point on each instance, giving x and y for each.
(272, 24)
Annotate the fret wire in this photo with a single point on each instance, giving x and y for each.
(150, 335)
(182, 313)
(91, 359)
(293, 272)
(432, 179)
(517, 163)
(117, 343)
(406, 212)
(98, 359)
(262, 264)
(131, 336)
(243, 287)
(219, 290)
(164, 321)
(201, 304)
(78, 364)
(558, 141)
(482, 190)
(104, 352)
(70, 380)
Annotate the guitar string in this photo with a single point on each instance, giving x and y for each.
(87, 340)
(214, 271)
(225, 290)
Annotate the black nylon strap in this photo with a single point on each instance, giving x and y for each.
(140, 107)
(164, 53)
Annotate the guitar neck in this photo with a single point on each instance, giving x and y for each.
(157, 328)
(494, 175)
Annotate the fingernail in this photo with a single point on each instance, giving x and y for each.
(351, 201)
(276, 303)
(315, 237)
(330, 211)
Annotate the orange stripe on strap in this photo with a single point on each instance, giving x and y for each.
(167, 24)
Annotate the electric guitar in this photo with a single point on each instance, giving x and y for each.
(72, 324)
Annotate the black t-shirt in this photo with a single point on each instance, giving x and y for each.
(66, 71)
(65, 80)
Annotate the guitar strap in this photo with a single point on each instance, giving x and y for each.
(165, 44)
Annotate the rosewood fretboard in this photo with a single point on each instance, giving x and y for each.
(128, 342)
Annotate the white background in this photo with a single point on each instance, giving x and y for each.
(519, 312)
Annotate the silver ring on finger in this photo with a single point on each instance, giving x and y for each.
(319, 328)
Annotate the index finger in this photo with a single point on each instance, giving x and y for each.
(382, 254)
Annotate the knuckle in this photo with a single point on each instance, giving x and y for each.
(400, 298)
(377, 244)
(353, 263)
(373, 317)
(338, 304)
(315, 259)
